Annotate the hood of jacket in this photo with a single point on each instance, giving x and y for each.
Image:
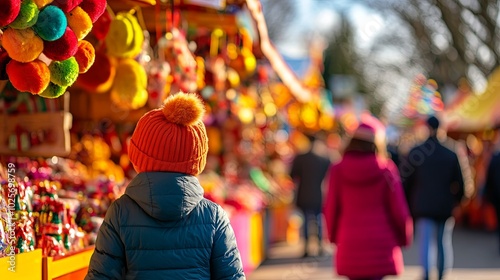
(165, 196)
(361, 169)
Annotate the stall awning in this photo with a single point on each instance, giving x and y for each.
(477, 111)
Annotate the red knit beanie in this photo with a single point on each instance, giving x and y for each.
(172, 138)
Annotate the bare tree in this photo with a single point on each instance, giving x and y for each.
(453, 38)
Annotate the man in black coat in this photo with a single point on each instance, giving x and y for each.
(492, 186)
(433, 178)
(308, 171)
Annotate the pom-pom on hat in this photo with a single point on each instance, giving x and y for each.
(33, 77)
(22, 45)
(172, 138)
(95, 8)
(365, 132)
(85, 56)
(80, 22)
(51, 23)
(10, 10)
(27, 17)
(62, 48)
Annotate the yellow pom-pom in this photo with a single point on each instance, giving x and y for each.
(183, 108)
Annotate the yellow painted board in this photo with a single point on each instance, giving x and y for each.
(26, 266)
(256, 239)
(61, 266)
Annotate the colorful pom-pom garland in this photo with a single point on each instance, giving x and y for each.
(42, 50)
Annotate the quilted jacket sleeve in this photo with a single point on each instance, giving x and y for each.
(108, 259)
(225, 261)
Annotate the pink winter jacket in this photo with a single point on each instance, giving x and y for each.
(367, 216)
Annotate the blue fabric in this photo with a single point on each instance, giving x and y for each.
(435, 244)
(163, 228)
(313, 217)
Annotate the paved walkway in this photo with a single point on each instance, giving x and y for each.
(475, 252)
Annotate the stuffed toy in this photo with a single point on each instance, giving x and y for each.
(51, 23)
(9, 12)
(62, 48)
(129, 87)
(85, 56)
(27, 16)
(125, 37)
(64, 73)
(33, 77)
(80, 22)
(22, 45)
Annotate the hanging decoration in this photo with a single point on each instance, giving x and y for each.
(42, 38)
(424, 100)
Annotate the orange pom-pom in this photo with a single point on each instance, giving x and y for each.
(22, 45)
(33, 77)
(183, 108)
(85, 56)
(80, 22)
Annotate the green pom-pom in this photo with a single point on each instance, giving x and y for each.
(53, 91)
(64, 73)
(27, 17)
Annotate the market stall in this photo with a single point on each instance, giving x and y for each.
(70, 100)
(473, 119)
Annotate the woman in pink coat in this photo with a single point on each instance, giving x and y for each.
(366, 213)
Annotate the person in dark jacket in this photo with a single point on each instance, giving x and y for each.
(163, 227)
(308, 171)
(434, 180)
(492, 187)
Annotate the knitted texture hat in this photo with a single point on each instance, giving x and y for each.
(365, 132)
(172, 138)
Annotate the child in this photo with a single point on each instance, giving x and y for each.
(163, 227)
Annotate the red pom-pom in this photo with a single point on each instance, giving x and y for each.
(4, 59)
(95, 8)
(66, 5)
(99, 78)
(62, 48)
(33, 77)
(9, 11)
(101, 26)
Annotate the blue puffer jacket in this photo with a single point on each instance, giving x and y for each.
(163, 228)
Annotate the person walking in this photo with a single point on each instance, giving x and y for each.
(308, 171)
(163, 227)
(366, 213)
(492, 187)
(436, 187)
